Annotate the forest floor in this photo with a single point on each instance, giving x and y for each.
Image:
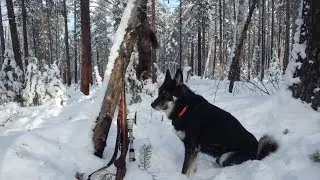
(53, 142)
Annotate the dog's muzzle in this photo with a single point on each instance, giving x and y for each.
(155, 103)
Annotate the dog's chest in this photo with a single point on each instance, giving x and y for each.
(180, 128)
(180, 133)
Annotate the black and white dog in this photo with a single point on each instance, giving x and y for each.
(206, 128)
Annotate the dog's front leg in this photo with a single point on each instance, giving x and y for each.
(189, 165)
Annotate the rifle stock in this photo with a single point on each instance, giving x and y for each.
(120, 163)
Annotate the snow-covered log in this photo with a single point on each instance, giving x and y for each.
(111, 98)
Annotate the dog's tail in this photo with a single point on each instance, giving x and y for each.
(267, 144)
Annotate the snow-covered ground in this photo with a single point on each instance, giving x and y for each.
(54, 142)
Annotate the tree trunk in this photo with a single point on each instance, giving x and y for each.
(147, 42)
(2, 41)
(49, 55)
(14, 34)
(203, 46)
(287, 38)
(199, 49)
(66, 40)
(308, 89)
(272, 27)
(34, 38)
(249, 54)
(153, 51)
(75, 46)
(280, 10)
(192, 57)
(221, 39)
(234, 73)
(24, 30)
(112, 94)
(86, 70)
(180, 34)
(215, 48)
(263, 41)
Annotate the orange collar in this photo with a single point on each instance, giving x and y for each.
(181, 113)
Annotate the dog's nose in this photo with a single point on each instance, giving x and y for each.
(153, 104)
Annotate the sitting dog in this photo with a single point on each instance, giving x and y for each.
(206, 128)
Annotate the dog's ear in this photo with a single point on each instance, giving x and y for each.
(178, 77)
(168, 75)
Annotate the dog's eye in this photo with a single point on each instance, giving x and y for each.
(167, 95)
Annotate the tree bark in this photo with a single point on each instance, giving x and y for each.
(192, 57)
(75, 42)
(14, 34)
(221, 39)
(263, 41)
(280, 10)
(153, 51)
(66, 40)
(215, 48)
(111, 98)
(199, 49)
(234, 72)
(180, 34)
(2, 41)
(308, 89)
(203, 46)
(24, 30)
(287, 38)
(272, 28)
(86, 70)
(249, 55)
(146, 42)
(49, 54)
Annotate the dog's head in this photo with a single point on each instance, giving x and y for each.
(168, 93)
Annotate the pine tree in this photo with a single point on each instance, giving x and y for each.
(24, 29)
(11, 78)
(66, 40)
(86, 70)
(303, 72)
(145, 157)
(14, 34)
(2, 42)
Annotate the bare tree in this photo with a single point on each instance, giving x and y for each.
(234, 73)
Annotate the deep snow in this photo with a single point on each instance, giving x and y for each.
(54, 142)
